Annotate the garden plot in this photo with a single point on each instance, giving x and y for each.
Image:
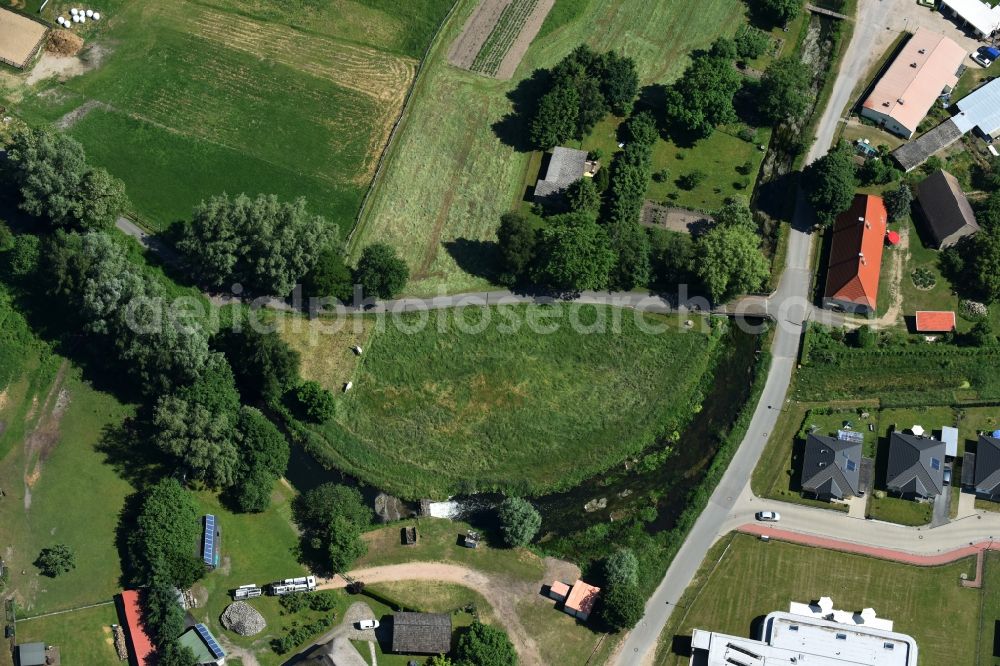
(497, 35)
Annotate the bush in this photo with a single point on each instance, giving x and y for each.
(314, 402)
(621, 568)
(381, 272)
(519, 521)
(751, 43)
(923, 278)
(485, 645)
(622, 607)
(23, 257)
(693, 179)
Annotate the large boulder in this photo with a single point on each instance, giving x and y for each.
(243, 619)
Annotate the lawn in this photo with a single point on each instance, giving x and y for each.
(194, 99)
(900, 511)
(743, 578)
(448, 177)
(83, 637)
(989, 616)
(480, 399)
(51, 462)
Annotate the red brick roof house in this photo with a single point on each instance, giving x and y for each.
(855, 263)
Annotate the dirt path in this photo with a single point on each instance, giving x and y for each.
(44, 436)
(501, 592)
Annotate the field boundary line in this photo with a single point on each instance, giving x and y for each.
(389, 144)
(68, 610)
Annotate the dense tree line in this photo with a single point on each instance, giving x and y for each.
(57, 184)
(779, 11)
(583, 88)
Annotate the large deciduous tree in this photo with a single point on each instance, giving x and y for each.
(702, 99)
(56, 182)
(729, 261)
(780, 11)
(485, 645)
(574, 254)
(381, 272)
(264, 244)
(784, 90)
(830, 183)
(518, 239)
(263, 364)
(161, 538)
(519, 521)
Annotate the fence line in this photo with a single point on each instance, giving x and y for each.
(68, 610)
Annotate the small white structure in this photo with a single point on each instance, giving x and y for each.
(823, 609)
(97, 16)
(60, 20)
(949, 435)
(348, 386)
(74, 11)
(917, 430)
(89, 13)
(358, 350)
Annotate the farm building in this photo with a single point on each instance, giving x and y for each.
(581, 600)
(558, 590)
(831, 467)
(945, 210)
(934, 321)
(976, 15)
(203, 645)
(980, 111)
(421, 633)
(21, 37)
(856, 256)
(566, 166)
(987, 463)
(928, 65)
(916, 466)
(31, 654)
(139, 643)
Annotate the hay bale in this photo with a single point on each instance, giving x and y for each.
(243, 619)
(64, 43)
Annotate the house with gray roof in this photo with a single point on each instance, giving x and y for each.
(987, 462)
(566, 166)
(916, 466)
(945, 209)
(831, 467)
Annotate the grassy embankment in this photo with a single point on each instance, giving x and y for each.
(447, 408)
(769, 575)
(191, 100)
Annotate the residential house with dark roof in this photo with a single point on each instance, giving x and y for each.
(987, 459)
(421, 633)
(855, 263)
(566, 166)
(916, 466)
(945, 210)
(831, 467)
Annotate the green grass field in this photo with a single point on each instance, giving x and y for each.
(83, 637)
(743, 578)
(449, 408)
(449, 177)
(191, 99)
(51, 463)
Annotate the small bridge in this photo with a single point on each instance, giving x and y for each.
(827, 12)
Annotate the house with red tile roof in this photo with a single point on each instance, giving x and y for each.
(581, 600)
(140, 644)
(927, 66)
(855, 264)
(935, 321)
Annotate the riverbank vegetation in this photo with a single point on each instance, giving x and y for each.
(465, 403)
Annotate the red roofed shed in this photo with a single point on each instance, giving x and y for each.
(856, 256)
(935, 321)
(581, 599)
(139, 640)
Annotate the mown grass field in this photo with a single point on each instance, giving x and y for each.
(196, 98)
(768, 576)
(471, 402)
(84, 637)
(450, 177)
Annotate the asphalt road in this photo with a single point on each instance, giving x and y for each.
(640, 644)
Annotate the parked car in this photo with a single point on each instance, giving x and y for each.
(368, 624)
(947, 475)
(981, 59)
(768, 516)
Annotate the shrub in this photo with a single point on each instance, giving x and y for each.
(485, 645)
(693, 179)
(314, 402)
(519, 521)
(621, 568)
(622, 607)
(923, 278)
(55, 560)
(973, 310)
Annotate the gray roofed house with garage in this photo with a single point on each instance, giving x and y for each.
(831, 468)
(566, 166)
(916, 466)
(945, 209)
(988, 468)
(421, 633)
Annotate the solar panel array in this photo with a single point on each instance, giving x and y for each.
(209, 543)
(213, 645)
(851, 436)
